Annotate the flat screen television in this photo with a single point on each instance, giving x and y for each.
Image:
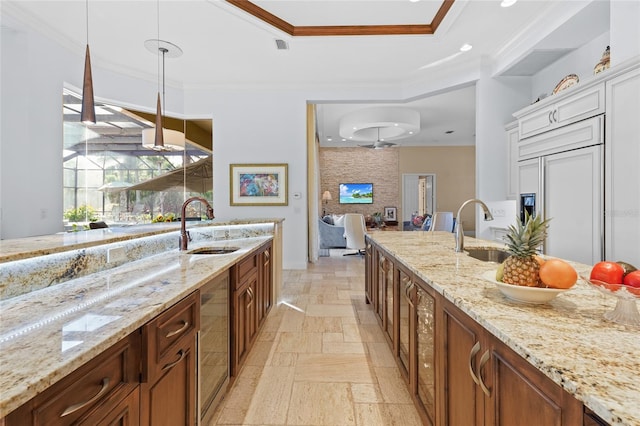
(356, 193)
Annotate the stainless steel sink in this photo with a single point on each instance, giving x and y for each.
(488, 254)
(213, 250)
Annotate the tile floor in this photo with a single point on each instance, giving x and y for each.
(321, 358)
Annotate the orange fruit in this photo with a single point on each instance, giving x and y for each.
(557, 273)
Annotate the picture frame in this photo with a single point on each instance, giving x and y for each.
(258, 184)
(390, 214)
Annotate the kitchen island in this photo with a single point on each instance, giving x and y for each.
(594, 361)
(47, 333)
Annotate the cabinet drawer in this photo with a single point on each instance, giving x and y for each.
(104, 380)
(244, 269)
(575, 136)
(163, 335)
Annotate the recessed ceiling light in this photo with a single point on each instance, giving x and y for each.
(329, 138)
(414, 1)
(508, 3)
(466, 47)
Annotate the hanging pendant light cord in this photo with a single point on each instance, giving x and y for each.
(87, 20)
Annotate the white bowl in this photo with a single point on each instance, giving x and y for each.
(517, 293)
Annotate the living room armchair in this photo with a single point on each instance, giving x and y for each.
(331, 236)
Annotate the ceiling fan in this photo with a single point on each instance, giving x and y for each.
(379, 143)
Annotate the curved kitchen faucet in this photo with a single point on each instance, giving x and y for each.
(459, 234)
(184, 235)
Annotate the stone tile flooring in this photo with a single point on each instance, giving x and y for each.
(321, 358)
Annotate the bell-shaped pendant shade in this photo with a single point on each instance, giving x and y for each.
(88, 113)
(159, 139)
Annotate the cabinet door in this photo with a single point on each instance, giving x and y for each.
(171, 399)
(573, 200)
(383, 265)
(519, 391)
(462, 401)
(265, 286)
(244, 323)
(425, 373)
(368, 270)
(390, 309)
(622, 168)
(406, 322)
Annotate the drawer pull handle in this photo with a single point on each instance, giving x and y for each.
(483, 361)
(474, 350)
(250, 293)
(181, 354)
(75, 407)
(267, 254)
(185, 324)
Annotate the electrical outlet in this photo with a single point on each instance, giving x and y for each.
(498, 212)
(116, 254)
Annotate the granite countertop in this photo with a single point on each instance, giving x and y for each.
(567, 339)
(48, 333)
(24, 248)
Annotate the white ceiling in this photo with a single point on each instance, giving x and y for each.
(226, 47)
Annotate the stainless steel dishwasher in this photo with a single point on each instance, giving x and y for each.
(213, 346)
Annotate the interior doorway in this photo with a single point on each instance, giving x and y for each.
(418, 194)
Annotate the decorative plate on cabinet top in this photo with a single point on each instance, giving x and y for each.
(522, 294)
(568, 81)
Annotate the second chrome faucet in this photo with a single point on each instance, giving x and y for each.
(459, 233)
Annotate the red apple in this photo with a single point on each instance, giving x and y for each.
(608, 272)
(632, 279)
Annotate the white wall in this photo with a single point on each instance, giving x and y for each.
(496, 100)
(625, 30)
(259, 127)
(581, 62)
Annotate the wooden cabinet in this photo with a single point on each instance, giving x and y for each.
(487, 383)
(265, 287)
(105, 388)
(457, 372)
(369, 291)
(461, 401)
(252, 299)
(424, 389)
(168, 388)
(406, 322)
(562, 109)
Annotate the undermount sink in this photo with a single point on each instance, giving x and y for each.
(488, 254)
(213, 250)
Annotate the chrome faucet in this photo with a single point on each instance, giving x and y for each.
(184, 235)
(459, 234)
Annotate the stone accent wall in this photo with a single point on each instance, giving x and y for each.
(360, 165)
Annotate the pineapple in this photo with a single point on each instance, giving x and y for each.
(521, 268)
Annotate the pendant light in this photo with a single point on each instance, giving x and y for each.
(88, 112)
(163, 139)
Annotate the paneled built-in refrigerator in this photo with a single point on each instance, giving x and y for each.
(564, 182)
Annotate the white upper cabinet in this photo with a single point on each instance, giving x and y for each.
(561, 109)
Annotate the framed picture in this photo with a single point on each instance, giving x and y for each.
(390, 213)
(258, 184)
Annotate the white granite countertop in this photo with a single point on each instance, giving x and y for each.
(567, 339)
(24, 248)
(48, 333)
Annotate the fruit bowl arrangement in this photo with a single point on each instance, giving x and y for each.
(621, 280)
(522, 294)
(526, 277)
